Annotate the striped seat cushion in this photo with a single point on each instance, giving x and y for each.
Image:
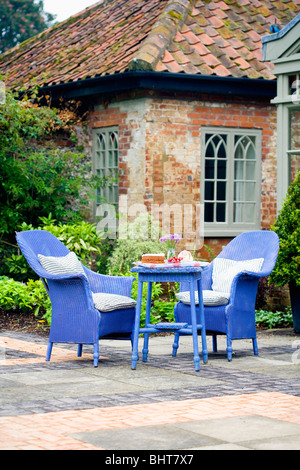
(110, 302)
(68, 264)
(210, 298)
(224, 271)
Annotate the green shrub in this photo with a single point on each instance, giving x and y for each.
(287, 227)
(80, 237)
(37, 177)
(156, 292)
(163, 311)
(24, 298)
(16, 267)
(133, 243)
(277, 319)
(129, 251)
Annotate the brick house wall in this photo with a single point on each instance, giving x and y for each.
(160, 147)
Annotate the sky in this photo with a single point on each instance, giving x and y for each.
(63, 9)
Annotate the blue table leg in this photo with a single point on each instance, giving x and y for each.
(134, 356)
(202, 321)
(147, 321)
(193, 287)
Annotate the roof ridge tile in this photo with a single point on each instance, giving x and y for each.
(165, 28)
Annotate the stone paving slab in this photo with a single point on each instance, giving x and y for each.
(67, 404)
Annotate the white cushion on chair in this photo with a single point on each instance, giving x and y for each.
(224, 271)
(68, 264)
(108, 302)
(210, 298)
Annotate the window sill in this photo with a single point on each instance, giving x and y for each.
(219, 232)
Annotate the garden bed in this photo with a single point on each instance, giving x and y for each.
(28, 322)
(16, 321)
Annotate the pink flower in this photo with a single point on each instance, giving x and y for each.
(171, 240)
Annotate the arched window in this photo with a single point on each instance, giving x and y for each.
(106, 165)
(230, 180)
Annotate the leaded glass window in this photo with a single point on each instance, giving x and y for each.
(106, 165)
(294, 143)
(230, 183)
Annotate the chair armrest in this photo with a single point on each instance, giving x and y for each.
(110, 284)
(245, 284)
(63, 285)
(259, 274)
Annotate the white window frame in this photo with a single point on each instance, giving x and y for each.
(229, 227)
(106, 164)
(286, 104)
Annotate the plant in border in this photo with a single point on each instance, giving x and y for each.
(276, 319)
(287, 268)
(37, 176)
(30, 297)
(81, 237)
(287, 227)
(133, 243)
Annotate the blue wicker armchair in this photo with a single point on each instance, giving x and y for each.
(81, 313)
(229, 299)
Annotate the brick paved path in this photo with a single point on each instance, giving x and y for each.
(249, 403)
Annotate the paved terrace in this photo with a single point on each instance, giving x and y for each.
(249, 403)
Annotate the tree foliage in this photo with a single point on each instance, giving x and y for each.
(20, 20)
(37, 177)
(287, 227)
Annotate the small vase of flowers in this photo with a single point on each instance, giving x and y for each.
(170, 241)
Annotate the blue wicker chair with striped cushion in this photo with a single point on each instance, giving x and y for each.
(86, 306)
(233, 275)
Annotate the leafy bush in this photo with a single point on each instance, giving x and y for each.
(163, 311)
(129, 251)
(163, 307)
(133, 243)
(36, 176)
(156, 292)
(267, 291)
(80, 237)
(287, 227)
(16, 266)
(29, 297)
(274, 319)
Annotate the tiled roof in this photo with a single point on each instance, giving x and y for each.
(101, 39)
(224, 37)
(190, 36)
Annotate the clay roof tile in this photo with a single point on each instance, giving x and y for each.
(191, 37)
(221, 37)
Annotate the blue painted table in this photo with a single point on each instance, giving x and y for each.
(167, 273)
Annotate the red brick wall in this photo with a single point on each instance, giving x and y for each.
(160, 147)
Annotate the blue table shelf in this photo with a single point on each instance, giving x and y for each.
(166, 273)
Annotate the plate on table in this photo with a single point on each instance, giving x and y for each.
(166, 264)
